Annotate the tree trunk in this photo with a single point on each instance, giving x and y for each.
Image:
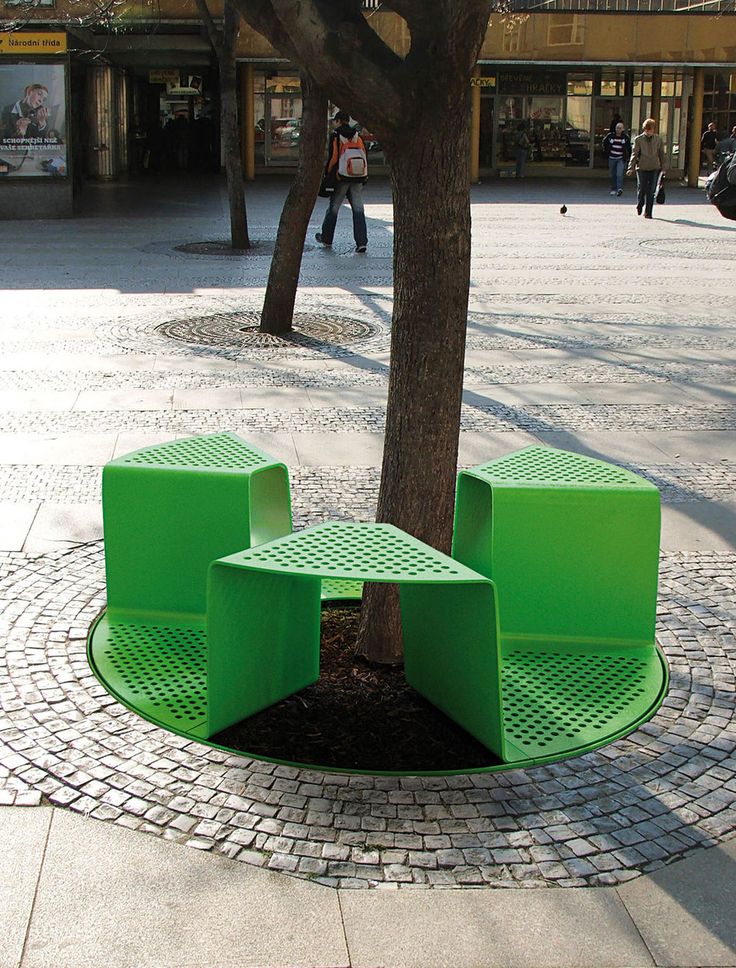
(431, 194)
(230, 131)
(283, 277)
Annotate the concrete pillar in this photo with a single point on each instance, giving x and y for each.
(248, 123)
(656, 94)
(475, 129)
(696, 127)
(101, 129)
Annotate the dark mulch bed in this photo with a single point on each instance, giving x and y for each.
(357, 717)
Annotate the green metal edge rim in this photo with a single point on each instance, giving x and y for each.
(498, 768)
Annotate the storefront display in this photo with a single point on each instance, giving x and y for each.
(33, 129)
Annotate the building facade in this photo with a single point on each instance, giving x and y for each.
(134, 91)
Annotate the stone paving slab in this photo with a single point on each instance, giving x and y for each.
(685, 912)
(23, 836)
(107, 897)
(547, 929)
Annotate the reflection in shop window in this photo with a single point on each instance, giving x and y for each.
(512, 30)
(565, 29)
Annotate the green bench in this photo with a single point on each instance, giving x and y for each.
(537, 636)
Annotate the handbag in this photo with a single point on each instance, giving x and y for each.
(660, 193)
(327, 185)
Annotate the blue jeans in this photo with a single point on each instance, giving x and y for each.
(353, 191)
(616, 170)
(646, 183)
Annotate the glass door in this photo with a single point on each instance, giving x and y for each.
(282, 118)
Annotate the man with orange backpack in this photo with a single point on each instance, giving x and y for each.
(347, 170)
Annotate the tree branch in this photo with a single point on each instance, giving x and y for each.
(215, 37)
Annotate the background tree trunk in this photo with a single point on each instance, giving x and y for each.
(431, 190)
(283, 277)
(230, 131)
(223, 44)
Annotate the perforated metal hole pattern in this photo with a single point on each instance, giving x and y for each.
(162, 668)
(369, 552)
(215, 450)
(551, 467)
(550, 698)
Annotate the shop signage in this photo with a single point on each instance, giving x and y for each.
(532, 82)
(22, 42)
(482, 81)
(170, 76)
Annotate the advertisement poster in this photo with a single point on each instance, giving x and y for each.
(33, 134)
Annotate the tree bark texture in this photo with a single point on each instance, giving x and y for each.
(431, 277)
(418, 107)
(283, 277)
(223, 44)
(230, 131)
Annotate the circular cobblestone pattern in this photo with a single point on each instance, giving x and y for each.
(222, 247)
(705, 248)
(603, 818)
(241, 329)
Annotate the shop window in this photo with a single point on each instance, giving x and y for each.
(580, 85)
(613, 84)
(565, 29)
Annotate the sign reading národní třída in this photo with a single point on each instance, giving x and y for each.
(33, 139)
(23, 42)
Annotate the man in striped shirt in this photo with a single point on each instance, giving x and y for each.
(617, 148)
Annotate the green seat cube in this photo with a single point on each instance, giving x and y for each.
(263, 623)
(571, 543)
(171, 509)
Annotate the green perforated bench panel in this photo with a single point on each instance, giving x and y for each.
(555, 699)
(556, 703)
(209, 452)
(357, 552)
(548, 467)
(158, 670)
(571, 542)
(335, 590)
(171, 509)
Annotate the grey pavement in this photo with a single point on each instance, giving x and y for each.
(123, 845)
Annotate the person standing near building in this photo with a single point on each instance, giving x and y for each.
(617, 147)
(347, 167)
(709, 143)
(648, 161)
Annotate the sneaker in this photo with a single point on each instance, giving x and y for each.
(638, 209)
(321, 241)
(620, 192)
(612, 193)
(361, 248)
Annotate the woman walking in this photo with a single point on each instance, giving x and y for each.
(648, 161)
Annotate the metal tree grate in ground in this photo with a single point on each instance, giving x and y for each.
(242, 329)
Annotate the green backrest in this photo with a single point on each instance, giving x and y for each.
(571, 542)
(171, 509)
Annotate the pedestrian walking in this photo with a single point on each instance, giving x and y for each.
(648, 161)
(617, 148)
(709, 143)
(347, 170)
(522, 145)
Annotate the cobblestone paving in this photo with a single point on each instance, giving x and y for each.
(479, 417)
(599, 819)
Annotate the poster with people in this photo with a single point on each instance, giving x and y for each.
(33, 139)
